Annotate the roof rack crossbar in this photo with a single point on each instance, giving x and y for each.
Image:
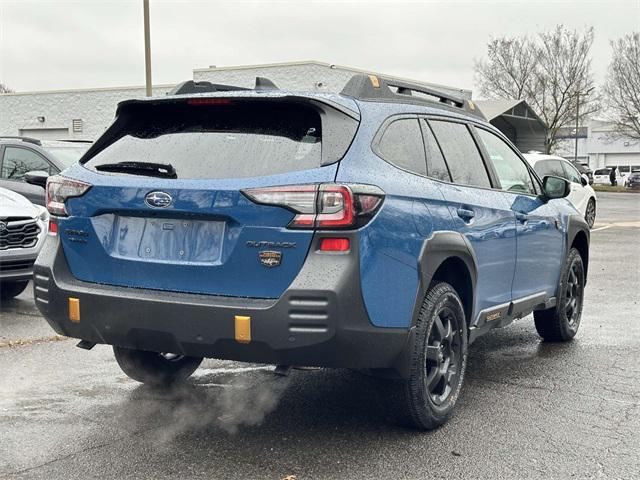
(191, 87)
(374, 87)
(35, 141)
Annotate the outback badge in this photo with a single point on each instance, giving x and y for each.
(270, 258)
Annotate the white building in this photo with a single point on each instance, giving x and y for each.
(85, 113)
(597, 147)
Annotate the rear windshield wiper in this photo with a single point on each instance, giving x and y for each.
(140, 168)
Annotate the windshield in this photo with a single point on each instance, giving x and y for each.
(67, 155)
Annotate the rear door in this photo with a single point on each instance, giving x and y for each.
(173, 216)
(479, 212)
(540, 244)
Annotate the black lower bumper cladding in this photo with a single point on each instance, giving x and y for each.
(319, 321)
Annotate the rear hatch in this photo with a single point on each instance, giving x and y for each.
(165, 209)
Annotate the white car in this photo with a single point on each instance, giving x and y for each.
(23, 228)
(582, 196)
(601, 176)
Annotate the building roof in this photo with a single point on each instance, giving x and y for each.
(510, 110)
(494, 108)
(463, 92)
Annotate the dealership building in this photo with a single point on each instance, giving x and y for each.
(83, 114)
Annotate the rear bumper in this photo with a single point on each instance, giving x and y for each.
(320, 320)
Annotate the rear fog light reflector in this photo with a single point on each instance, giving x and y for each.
(335, 245)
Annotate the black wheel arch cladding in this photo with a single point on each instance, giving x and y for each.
(453, 249)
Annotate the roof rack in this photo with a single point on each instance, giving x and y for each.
(191, 87)
(377, 88)
(35, 141)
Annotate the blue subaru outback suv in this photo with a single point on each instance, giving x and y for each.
(383, 228)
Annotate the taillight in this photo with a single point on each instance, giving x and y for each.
(59, 190)
(326, 206)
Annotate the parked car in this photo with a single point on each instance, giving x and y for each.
(633, 182)
(601, 176)
(372, 229)
(23, 227)
(582, 196)
(625, 171)
(19, 155)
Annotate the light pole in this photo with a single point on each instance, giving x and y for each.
(575, 153)
(147, 47)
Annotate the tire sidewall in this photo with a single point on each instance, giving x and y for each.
(438, 296)
(572, 258)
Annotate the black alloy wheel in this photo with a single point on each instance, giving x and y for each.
(444, 349)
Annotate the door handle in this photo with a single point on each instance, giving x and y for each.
(466, 214)
(522, 217)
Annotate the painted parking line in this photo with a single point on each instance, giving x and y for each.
(601, 228)
(632, 224)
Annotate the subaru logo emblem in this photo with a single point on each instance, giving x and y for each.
(158, 199)
(3, 226)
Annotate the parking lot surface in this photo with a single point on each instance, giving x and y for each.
(528, 409)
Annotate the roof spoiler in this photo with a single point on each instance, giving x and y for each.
(376, 88)
(191, 87)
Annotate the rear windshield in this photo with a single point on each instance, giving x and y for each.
(602, 171)
(228, 140)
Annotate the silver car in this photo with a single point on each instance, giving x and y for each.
(23, 227)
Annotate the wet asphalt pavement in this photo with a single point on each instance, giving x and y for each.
(528, 409)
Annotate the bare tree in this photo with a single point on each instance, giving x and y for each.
(510, 65)
(5, 89)
(621, 91)
(551, 72)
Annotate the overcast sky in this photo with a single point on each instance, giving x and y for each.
(57, 44)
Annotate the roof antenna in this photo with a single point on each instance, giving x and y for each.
(265, 84)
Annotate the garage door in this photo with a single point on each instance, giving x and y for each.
(617, 159)
(45, 133)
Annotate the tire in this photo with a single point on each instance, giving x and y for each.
(154, 368)
(561, 323)
(437, 362)
(590, 213)
(9, 290)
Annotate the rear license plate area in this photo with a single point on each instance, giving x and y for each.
(168, 239)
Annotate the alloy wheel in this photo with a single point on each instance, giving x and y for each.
(444, 354)
(590, 215)
(573, 295)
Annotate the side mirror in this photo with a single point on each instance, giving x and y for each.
(37, 177)
(555, 187)
(584, 180)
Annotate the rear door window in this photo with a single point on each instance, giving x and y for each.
(401, 145)
(215, 141)
(461, 153)
(546, 168)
